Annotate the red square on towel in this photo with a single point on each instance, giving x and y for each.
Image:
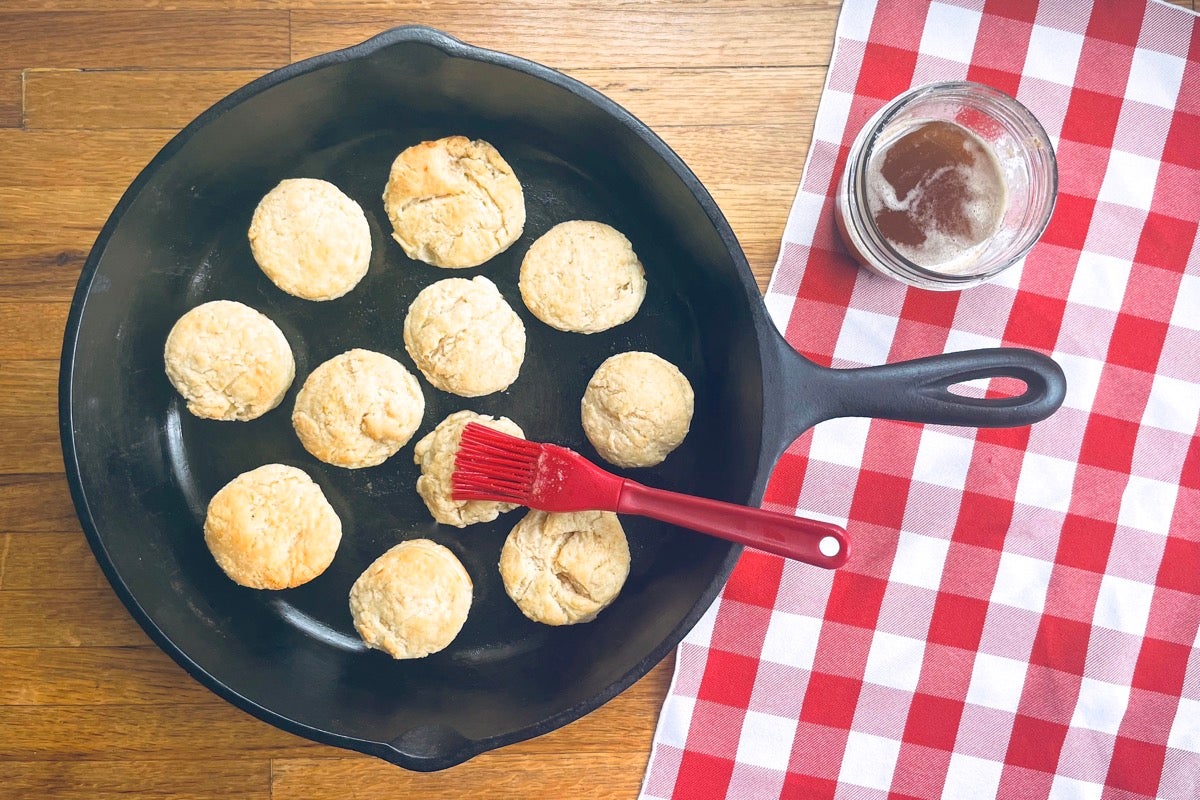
(1137, 342)
(1108, 442)
(1180, 147)
(1167, 242)
(933, 721)
(957, 620)
(1162, 666)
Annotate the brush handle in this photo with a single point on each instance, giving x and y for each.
(821, 544)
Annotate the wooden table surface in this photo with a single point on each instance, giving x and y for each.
(89, 91)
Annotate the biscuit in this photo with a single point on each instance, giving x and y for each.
(357, 409)
(561, 569)
(464, 337)
(636, 409)
(454, 202)
(582, 276)
(272, 528)
(412, 601)
(435, 454)
(310, 239)
(228, 361)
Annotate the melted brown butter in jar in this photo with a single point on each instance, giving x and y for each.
(936, 193)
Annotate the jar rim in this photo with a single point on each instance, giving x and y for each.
(1013, 114)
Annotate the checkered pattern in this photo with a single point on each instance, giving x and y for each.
(1019, 616)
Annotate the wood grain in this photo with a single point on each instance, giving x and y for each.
(757, 213)
(10, 98)
(28, 388)
(660, 97)
(220, 731)
(55, 160)
(637, 36)
(75, 100)
(179, 779)
(137, 39)
(557, 8)
(211, 731)
(75, 618)
(30, 444)
(492, 775)
(38, 272)
(36, 503)
(89, 676)
(61, 560)
(747, 96)
(32, 331)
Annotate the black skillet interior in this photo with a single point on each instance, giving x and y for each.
(142, 469)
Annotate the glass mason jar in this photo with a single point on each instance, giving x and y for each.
(1023, 155)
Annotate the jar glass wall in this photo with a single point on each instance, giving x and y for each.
(912, 123)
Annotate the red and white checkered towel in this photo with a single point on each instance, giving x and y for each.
(1019, 616)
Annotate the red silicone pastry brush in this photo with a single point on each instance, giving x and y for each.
(491, 465)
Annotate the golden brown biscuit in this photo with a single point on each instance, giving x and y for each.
(637, 408)
(464, 337)
(454, 202)
(357, 409)
(435, 453)
(272, 528)
(582, 276)
(412, 601)
(561, 569)
(228, 361)
(310, 239)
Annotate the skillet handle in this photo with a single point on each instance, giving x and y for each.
(919, 390)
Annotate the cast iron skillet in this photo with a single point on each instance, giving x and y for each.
(142, 469)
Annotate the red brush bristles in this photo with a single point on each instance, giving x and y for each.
(491, 465)
(495, 466)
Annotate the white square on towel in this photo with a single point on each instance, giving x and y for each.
(869, 761)
(1100, 706)
(1045, 482)
(996, 682)
(962, 25)
(1129, 180)
(968, 776)
(1147, 505)
(894, 661)
(1053, 55)
(766, 740)
(1123, 605)
(1155, 78)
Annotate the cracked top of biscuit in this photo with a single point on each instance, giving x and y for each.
(561, 569)
(454, 202)
(582, 276)
(357, 409)
(636, 409)
(464, 337)
(228, 361)
(412, 601)
(310, 239)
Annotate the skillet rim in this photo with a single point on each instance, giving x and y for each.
(463, 748)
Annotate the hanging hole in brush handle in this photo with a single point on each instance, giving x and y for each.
(920, 390)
